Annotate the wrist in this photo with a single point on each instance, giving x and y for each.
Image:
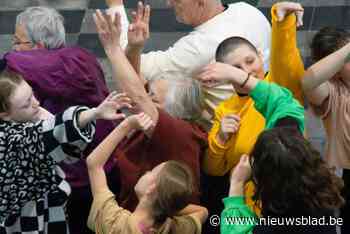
(236, 188)
(94, 114)
(114, 51)
(134, 47)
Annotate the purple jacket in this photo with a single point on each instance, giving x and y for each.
(61, 78)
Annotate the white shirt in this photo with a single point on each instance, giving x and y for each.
(197, 49)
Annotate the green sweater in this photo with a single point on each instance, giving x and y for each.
(273, 102)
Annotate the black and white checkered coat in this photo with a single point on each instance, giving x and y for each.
(46, 214)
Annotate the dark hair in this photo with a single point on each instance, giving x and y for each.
(288, 173)
(174, 190)
(231, 44)
(8, 83)
(327, 41)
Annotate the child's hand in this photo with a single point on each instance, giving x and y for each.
(108, 108)
(285, 8)
(140, 122)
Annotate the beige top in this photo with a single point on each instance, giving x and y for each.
(106, 216)
(335, 113)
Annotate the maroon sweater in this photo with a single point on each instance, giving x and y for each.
(172, 139)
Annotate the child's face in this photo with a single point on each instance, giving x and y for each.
(24, 107)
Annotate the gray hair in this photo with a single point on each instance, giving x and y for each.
(184, 99)
(43, 25)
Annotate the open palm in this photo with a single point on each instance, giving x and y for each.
(138, 31)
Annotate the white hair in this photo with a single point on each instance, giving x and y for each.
(43, 25)
(184, 99)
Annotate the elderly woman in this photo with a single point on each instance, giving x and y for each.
(61, 77)
(171, 137)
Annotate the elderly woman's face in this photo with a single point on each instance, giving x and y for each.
(20, 40)
(157, 91)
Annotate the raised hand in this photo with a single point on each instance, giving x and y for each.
(215, 74)
(229, 125)
(140, 122)
(108, 108)
(138, 31)
(112, 3)
(243, 171)
(285, 8)
(108, 30)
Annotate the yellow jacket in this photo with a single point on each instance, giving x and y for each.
(286, 69)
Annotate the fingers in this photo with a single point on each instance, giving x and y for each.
(145, 121)
(299, 15)
(233, 117)
(147, 13)
(140, 10)
(118, 116)
(99, 21)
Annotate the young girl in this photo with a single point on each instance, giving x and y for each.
(326, 84)
(33, 191)
(163, 193)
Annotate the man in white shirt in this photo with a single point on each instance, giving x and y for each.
(212, 22)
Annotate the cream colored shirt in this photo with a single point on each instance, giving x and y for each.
(106, 216)
(195, 50)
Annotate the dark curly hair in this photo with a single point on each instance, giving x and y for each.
(288, 173)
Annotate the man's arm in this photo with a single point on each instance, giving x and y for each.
(124, 75)
(315, 79)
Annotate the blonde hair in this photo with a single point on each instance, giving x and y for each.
(8, 83)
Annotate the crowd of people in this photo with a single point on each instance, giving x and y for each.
(213, 125)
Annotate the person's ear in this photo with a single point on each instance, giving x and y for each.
(260, 54)
(5, 116)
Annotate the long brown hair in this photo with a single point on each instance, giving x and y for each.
(8, 83)
(289, 173)
(174, 190)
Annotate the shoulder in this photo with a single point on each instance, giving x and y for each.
(170, 127)
(187, 224)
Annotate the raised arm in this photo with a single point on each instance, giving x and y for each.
(138, 34)
(286, 65)
(272, 101)
(117, 6)
(107, 110)
(100, 155)
(123, 73)
(76, 127)
(235, 207)
(315, 79)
